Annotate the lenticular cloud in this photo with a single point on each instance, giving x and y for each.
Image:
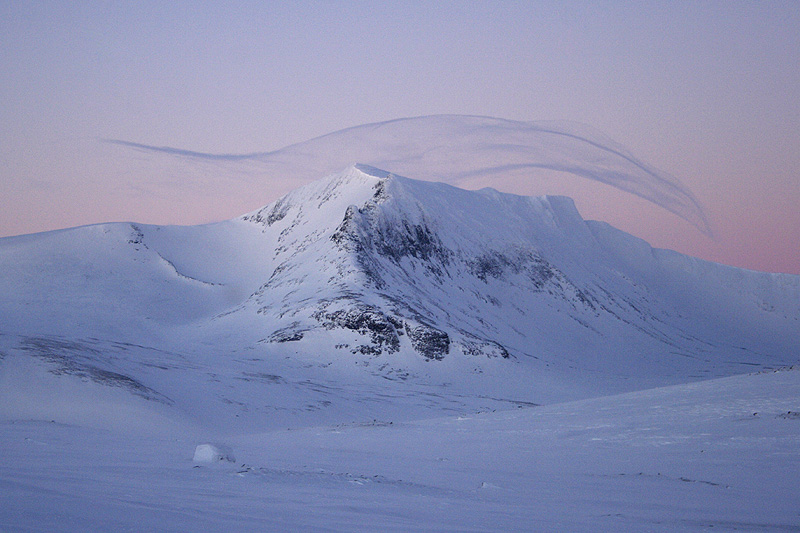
(458, 149)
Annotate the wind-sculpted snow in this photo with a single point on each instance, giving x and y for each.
(458, 149)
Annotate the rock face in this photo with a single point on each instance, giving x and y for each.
(381, 333)
(428, 341)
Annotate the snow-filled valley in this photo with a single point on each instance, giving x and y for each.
(374, 352)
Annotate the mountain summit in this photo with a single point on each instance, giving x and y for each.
(365, 286)
(397, 265)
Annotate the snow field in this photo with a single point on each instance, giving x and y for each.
(723, 453)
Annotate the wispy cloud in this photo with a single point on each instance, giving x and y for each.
(456, 148)
(181, 152)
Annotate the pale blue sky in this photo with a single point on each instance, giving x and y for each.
(707, 91)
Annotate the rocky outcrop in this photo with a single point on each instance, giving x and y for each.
(382, 331)
(428, 341)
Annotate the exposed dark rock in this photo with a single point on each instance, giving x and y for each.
(346, 236)
(411, 240)
(137, 237)
(490, 265)
(496, 265)
(380, 192)
(429, 342)
(484, 348)
(365, 234)
(586, 299)
(543, 275)
(366, 320)
(288, 334)
(397, 323)
(541, 272)
(278, 212)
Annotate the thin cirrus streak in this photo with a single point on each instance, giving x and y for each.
(457, 148)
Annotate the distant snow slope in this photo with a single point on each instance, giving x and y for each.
(367, 293)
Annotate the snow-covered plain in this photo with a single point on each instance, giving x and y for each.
(373, 352)
(722, 454)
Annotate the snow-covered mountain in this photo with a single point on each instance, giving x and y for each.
(442, 272)
(367, 293)
(342, 345)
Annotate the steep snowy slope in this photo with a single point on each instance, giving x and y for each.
(367, 294)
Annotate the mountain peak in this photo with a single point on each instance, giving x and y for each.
(371, 171)
(354, 185)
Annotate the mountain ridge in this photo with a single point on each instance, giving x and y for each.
(430, 294)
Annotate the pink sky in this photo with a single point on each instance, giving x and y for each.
(705, 91)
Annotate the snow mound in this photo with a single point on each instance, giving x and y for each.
(213, 453)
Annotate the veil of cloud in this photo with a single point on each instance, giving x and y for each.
(459, 148)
